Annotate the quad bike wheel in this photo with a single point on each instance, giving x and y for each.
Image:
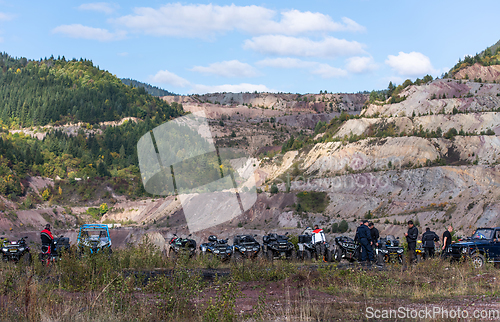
(478, 260)
(270, 255)
(337, 254)
(328, 256)
(307, 255)
(381, 259)
(402, 260)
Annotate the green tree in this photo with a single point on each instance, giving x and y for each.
(103, 208)
(343, 226)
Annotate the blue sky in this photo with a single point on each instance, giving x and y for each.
(280, 46)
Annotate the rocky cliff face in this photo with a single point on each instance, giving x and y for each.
(476, 71)
(464, 96)
(391, 164)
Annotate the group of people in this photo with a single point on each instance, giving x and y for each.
(429, 238)
(367, 236)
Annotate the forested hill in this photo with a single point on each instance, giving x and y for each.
(488, 57)
(58, 91)
(153, 90)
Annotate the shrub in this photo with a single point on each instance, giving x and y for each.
(451, 133)
(313, 201)
(343, 226)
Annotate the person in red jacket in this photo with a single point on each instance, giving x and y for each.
(47, 239)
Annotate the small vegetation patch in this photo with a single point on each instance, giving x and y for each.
(312, 201)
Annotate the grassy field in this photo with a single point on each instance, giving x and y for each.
(140, 284)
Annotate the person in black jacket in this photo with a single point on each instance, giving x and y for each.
(411, 239)
(363, 236)
(428, 239)
(375, 235)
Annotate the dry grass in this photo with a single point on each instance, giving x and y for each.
(102, 288)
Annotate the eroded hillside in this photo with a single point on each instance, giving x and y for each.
(432, 155)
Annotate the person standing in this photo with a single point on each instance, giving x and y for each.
(318, 240)
(446, 242)
(363, 236)
(47, 239)
(411, 239)
(428, 239)
(374, 234)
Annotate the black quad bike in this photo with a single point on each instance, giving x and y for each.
(52, 253)
(179, 245)
(346, 248)
(276, 246)
(16, 251)
(389, 251)
(216, 247)
(245, 246)
(308, 250)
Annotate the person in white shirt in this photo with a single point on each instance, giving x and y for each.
(318, 240)
(318, 235)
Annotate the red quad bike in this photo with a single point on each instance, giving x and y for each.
(51, 253)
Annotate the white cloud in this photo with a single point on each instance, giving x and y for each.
(327, 71)
(295, 22)
(323, 70)
(329, 47)
(232, 68)
(123, 54)
(166, 77)
(412, 64)
(107, 8)
(5, 16)
(84, 32)
(359, 65)
(202, 21)
(283, 62)
(232, 88)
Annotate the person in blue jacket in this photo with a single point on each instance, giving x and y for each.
(364, 238)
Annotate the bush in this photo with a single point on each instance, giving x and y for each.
(343, 226)
(313, 201)
(451, 133)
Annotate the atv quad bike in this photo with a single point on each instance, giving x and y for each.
(16, 250)
(245, 246)
(346, 248)
(390, 251)
(52, 253)
(179, 245)
(308, 250)
(276, 246)
(216, 247)
(94, 238)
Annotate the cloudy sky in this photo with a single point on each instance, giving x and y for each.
(279, 46)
